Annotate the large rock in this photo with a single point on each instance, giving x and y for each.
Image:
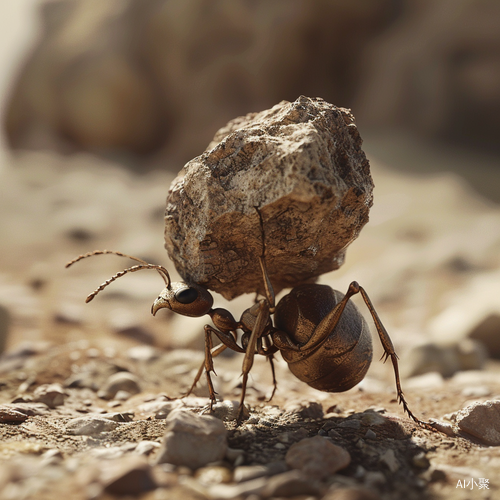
(302, 166)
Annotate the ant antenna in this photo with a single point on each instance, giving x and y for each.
(143, 265)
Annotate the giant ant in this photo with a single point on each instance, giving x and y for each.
(320, 333)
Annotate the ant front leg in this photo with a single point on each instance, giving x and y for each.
(227, 341)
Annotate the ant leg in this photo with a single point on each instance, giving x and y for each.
(260, 324)
(388, 351)
(209, 365)
(269, 350)
(214, 353)
(275, 383)
(322, 331)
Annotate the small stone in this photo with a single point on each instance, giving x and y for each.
(420, 460)
(480, 391)
(373, 478)
(89, 426)
(70, 314)
(290, 484)
(370, 417)
(311, 409)
(146, 447)
(8, 414)
(52, 395)
(351, 424)
(430, 380)
(481, 420)
(52, 457)
(214, 475)
(445, 359)
(28, 408)
(143, 353)
(119, 416)
(249, 472)
(122, 395)
(317, 457)
(227, 410)
(370, 434)
(488, 333)
(192, 440)
(444, 427)
(121, 381)
(389, 459)
(127, 476)
(235, 456)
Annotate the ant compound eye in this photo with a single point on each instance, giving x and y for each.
(186, 295)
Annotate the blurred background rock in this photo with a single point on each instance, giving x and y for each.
(88, 87)
(148, 82)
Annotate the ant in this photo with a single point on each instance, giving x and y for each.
(320, 333)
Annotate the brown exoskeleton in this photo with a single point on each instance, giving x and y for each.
(320, 333)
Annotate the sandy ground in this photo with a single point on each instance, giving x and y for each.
(428, 258)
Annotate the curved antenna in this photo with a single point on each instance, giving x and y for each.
(132, 269)
(143, 265)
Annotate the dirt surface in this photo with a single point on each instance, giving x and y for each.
(420, 256)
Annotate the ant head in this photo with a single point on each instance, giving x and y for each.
(188, 300)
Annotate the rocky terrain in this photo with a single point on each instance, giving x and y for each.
(89, 393)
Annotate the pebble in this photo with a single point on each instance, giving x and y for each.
(420, 460)
(10, 415)
(214, 475)
(370, 434)
(317, 457)
(479, 391)
(370, 417)
(373, 478)
(290, 484)
(249, 472)
(488, 333)
(146, 447)
(127, 476)
(28, 408)
(52, 395)
(192, 440)
(351, 424)
(143, 353)
(311, 409)
(90, 426)
(481, 420)
(119, 416)
(226, 410)
(120, 381)
(69, 314)
(389, 458)
(445, 359)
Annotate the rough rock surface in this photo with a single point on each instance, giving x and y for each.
(302, 166)
(192, 440)
(482, 420)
